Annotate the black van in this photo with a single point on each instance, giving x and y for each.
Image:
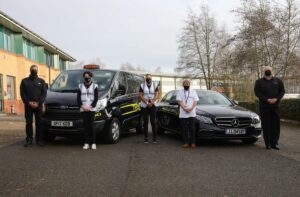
(118, 107)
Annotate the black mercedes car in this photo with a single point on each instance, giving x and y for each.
(217, 117)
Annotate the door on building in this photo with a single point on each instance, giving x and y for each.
(1, 94)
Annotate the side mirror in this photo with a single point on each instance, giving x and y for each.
(235, 102)
(173, 102)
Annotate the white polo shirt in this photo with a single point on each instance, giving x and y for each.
(188, 98)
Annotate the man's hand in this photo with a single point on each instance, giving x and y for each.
(33, 104)
(86, 108)
(272, 100)
(149, 104)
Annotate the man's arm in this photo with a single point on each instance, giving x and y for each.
(44, 93)
(258, 92)
(23, 93)
(79, 102)
(95, 97)
(281, 91)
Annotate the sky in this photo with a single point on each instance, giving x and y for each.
(142, 33)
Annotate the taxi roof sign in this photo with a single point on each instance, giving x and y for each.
(91, 66)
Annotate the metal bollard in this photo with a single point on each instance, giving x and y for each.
(12, 110)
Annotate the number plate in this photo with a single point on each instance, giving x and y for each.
(62, 123)
(235, 131)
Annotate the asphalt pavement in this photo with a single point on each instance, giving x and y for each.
(132, 168)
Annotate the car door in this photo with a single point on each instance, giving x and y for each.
(131, 109)
(168, 112)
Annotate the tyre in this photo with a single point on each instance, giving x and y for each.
(114, 131)
(48, 137)
(250, 140)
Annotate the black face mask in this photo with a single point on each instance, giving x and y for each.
(148, 81)
(33, 73)
(186, 87)
(87, 79)
(268, 73)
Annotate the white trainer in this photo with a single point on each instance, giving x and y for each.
(86, 146)
(94, 146)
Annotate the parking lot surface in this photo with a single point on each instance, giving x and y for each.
(132, 168)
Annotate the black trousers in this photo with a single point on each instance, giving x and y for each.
(270, 120)
(88, 123)
(145, 113)
(29, 112)
(188, 130)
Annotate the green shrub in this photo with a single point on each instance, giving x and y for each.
(289, 108)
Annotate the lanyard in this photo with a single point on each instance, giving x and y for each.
(186, 98)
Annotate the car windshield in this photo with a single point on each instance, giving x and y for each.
(212, 98)
(68, 81)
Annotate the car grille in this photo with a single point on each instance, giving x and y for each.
(63, 115)
(227, 122)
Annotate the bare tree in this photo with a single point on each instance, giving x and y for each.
(200, 45)
(130, 67)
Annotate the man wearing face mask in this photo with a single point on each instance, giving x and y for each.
(269, 91)
(33, 93)
(87, 98)
(187, 99)
(148, 96)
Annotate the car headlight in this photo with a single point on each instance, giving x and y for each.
(256, 123)
(101, 104)
(204, 119)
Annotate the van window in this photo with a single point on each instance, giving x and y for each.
(134, 82)
(120, 86)
(68, 81)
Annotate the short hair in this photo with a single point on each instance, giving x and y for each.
(186, 82)
(87, 72)
(148, 75)
(33, 66)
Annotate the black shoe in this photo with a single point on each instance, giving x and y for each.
(41, 144)
(268, 147)
(276, 147)
(28, 143)
(154, 141)
(146, 141)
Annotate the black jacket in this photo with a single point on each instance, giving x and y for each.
(265, 89)
(33, 89)
(94, 103)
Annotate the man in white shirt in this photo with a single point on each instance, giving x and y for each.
(187, 99)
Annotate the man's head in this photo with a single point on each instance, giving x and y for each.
(87, 75)
(148, 78)
(34, 70)
(268, 72)
(186, 84)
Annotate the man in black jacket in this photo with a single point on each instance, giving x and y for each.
(33, 93)
(269, 91)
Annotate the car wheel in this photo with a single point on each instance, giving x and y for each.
(249, 140)
(48, 137)
(114, 131)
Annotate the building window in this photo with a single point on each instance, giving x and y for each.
(11, 87)
(62, 64)
(8, 40)
(29, 49)
(49, 59)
